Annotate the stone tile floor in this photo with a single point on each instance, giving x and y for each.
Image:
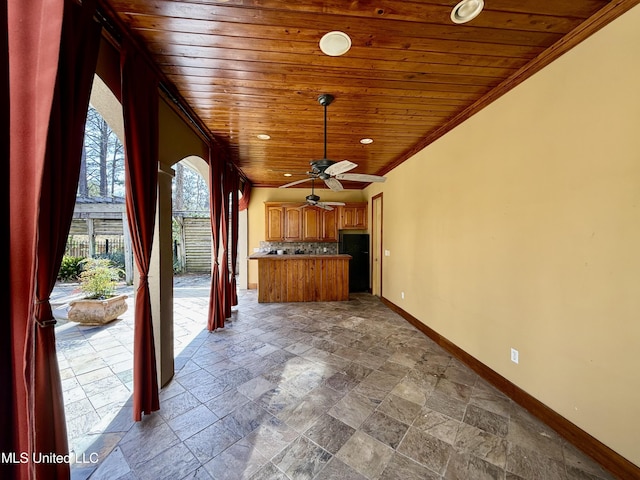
(344, 390)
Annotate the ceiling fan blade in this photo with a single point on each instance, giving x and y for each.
(295, 183)
(283, 170)
(323, 205)
(340, 167)
(360, 177)
(337, 204)
(334, 184)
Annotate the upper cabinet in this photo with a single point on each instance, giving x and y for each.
(274, 223)
(311, 224)
(353, 216)
(330, 225)
(295, 222)
(319, 225)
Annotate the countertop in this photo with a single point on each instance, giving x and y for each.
(298, 256)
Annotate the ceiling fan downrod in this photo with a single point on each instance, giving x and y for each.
(325, 100)
(313, 197)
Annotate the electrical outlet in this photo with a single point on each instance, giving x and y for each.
(514, 355)
(387, 253)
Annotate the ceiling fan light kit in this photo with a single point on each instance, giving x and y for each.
(466, 10)
(335, 43)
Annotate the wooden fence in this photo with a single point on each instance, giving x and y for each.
(192, 247)
(79, 247)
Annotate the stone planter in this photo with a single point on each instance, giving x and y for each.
(97, 312)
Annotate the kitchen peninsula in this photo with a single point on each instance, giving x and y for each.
(302, 277)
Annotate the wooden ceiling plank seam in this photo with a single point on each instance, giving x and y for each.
(244, 52)
(367, 54)
(373, 87)
(373, 41)
(361, 75)
(466, 34)
(413, 67)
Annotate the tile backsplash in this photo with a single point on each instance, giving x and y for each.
(311, 248)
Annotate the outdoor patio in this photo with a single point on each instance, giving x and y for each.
(96, 363)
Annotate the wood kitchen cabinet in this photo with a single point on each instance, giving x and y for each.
(330, 225)
(297, 222)
(302, 278)
(293, 224)
(274, 223)
(319, 225)
(353, 216)
(311, 224)
(283, 222)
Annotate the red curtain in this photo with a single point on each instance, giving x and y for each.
(8, 441)
(243, 203)
(78, 56)
(225, 286)
(234, 234)
(216, 299)
(33, 36)
(140, 109)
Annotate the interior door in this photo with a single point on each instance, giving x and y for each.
(376, 245)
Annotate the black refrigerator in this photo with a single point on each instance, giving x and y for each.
(356, 245)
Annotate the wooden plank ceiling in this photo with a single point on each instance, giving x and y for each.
(250, 67)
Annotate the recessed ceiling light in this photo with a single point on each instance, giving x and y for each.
(335, 43)
(366, 141)
(264, 136)
(288, 174)
(466, 10)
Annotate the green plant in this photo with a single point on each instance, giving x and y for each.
(70, 268)
(116, 259)
(99, 278)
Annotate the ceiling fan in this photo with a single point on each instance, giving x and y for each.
(314, 200)
(330, 171)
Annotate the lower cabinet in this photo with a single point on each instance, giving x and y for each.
(305, 278)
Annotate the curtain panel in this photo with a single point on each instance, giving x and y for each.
(225, 287)
(52, 52)
(33, 31)
(140, 109)
(77, 64)
(215, 318)
(235, 185)
(243, 203)
(6, 349)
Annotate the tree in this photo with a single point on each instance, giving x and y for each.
(191, 192)
(178, 192)
(102, 171)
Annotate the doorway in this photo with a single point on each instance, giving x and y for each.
(376, 245)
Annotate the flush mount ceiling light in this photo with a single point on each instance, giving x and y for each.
(366, 141)
(466, 10)
(335, 43)
(263, 136)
